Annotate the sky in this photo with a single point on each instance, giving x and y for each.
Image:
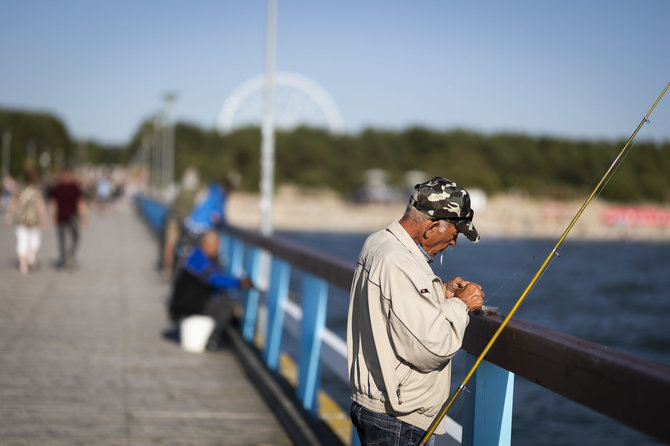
(569, 68)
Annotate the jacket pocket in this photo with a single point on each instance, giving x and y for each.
(403, 372)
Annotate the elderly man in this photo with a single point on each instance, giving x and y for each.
(404, 323)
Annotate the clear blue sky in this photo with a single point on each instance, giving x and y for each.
(585, 69)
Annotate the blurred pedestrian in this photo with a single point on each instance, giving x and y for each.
(104, 190)
(68, 210)
(180, 208)
(210, 211)
(29, 212)
(8, 187)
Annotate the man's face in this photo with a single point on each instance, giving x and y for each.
(210, 245)
(438, 236)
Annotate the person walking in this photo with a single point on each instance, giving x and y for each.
(68, 210)
(404, 324)
(29, 212)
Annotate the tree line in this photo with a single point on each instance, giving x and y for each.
(41, 141)
(540, 166)
(503, 162)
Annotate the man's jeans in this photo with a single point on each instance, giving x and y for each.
(376, 428)
(66, 253)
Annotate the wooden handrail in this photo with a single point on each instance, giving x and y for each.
(631, 390)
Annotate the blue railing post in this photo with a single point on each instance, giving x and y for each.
(491, 406)
(314, 300)
(277, 295)
(355, 441)
(225, 250)
(251, 304)
(236, 257)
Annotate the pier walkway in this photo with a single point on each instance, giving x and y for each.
(83, 358)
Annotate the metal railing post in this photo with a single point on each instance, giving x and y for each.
(225, 250)
(355, 441)
(490, 406)
(252, 295)
(314, 301)
(236, 257)
(277, 295)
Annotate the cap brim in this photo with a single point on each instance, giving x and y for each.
(468, 229)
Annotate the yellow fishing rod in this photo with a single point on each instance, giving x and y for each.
(601, 184)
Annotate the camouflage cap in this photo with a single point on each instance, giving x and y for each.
(443, 199)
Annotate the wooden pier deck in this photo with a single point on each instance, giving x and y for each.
(83, 359)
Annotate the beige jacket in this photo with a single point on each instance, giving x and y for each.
(401, 330)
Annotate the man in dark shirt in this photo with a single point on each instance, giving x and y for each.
(68, 210)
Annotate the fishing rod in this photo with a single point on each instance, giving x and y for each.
(554, 252)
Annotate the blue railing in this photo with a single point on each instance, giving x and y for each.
(610, 382)
(154, 213)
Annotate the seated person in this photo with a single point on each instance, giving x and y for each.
(200, 286)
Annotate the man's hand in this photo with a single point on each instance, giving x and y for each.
(245, 283)
(452, 286)
(472, 295)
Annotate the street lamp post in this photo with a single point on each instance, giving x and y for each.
(6, 143)
(168, 139)
(145, 161)
(156, 170)
(267, 131)
(30, 154)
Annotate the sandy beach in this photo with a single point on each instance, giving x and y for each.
(500, 216)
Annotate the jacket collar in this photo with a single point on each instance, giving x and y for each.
(403, 237)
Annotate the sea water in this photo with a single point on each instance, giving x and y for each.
(612, 293)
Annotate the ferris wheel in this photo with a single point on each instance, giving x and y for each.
(298, 101)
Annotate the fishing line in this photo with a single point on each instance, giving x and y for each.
(502, 295)
(615, 168)
(554, 252)
(507, 298)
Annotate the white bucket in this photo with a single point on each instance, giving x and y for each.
(194, 332)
